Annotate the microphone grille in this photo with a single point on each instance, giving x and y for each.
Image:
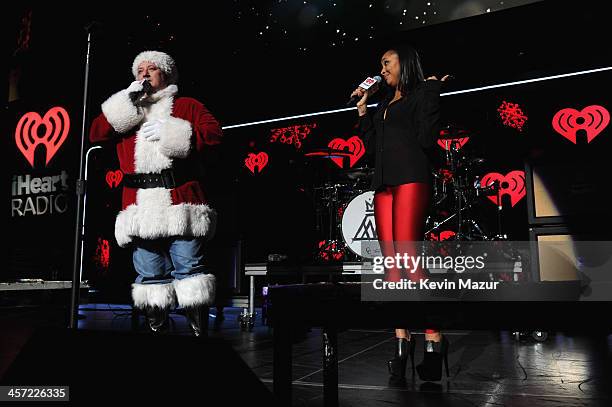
(377, 78)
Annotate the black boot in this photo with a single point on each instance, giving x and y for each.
(397, 365)
(197, 317)
(157, 319)
(436, 353)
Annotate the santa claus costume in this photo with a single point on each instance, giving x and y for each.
(165, 217)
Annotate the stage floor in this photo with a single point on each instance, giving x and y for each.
(487, 368)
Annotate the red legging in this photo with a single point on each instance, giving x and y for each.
(400, 213)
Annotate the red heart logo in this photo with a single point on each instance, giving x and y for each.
(455, 142)
(515, 187)
(258, 161)
(593, 119)
(113, 178)
(57, 125)
(445, 235)
(354, 146)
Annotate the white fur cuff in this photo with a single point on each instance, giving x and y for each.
(121, 113)
(153, 295)
(196, 290)
(122, 231)
(154, 216)
(175, 141)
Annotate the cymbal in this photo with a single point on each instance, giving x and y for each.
(357, 169)
(357, 172)
(328, 186)
(328, 153)
(453, 132)
(477, 160)
(489, 190)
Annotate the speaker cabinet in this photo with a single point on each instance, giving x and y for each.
(555, 255)
(566, 192)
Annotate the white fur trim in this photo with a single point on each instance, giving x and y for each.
(121, 113)
(162, 60)
(196, 290)
(148, 158)
(153, 216)
(153, 295)
(168, 91)
(147, 155)
(175, 139)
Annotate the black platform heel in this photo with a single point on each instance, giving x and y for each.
(397, 365)
(436, 353)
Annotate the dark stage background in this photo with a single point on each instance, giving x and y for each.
(241, 77)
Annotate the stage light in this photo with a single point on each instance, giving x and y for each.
(512, 115)
(458, 92)
(292, 135)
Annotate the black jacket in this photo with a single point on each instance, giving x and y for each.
(401, 143)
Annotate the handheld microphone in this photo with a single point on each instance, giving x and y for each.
(370, 85)
(138, 97)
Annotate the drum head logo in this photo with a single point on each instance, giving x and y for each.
(359, 226)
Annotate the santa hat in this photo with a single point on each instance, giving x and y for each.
(162, 60)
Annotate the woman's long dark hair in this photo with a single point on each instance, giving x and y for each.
(411, 72)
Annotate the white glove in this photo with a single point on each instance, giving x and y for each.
(150, 130)
(135, 86)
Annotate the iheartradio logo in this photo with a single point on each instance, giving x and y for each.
(258, 161)
(592, 119)
(354, 146)
(28, 135)
(511, 184)
(113, 178)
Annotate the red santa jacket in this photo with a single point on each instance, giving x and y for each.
(186, 129)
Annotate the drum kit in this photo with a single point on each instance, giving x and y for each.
(333, 199)
(345, 206)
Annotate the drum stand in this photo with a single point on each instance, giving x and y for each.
(460, 199)
(332, 245)
(499, 235)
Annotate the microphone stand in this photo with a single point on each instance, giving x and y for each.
(80, 191)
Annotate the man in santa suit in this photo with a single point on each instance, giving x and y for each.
(165, 218)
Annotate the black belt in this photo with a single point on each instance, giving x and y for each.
(167, 179)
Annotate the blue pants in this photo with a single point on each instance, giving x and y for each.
(160, 261)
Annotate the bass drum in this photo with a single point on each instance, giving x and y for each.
(359, 226)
